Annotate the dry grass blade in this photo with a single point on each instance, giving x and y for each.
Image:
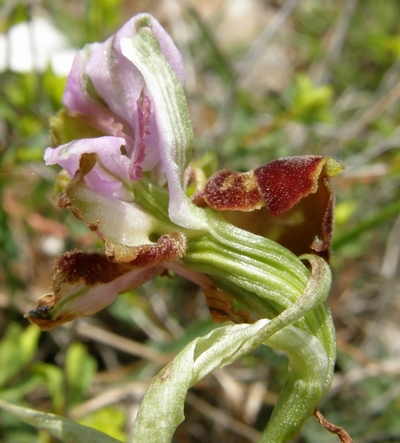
(322, 69)
(121, 343)
(390, 263)
(269, 32)
(135, 390)
(223, 419)
(376, 109)
(390, 366)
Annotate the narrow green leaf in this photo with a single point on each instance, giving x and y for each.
(161, 410)
(59, 427)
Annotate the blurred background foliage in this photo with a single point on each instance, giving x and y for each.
(264, 79)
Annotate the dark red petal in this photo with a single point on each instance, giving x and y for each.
(284, 182)
(288, 200)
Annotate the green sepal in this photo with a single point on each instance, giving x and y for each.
(65, 128)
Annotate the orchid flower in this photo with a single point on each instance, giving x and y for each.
(123, 140)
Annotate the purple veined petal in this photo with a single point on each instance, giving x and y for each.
(104, 89)
(78, 100)
(115, 78)
(109, 173)
(119, 82)
(173, 123)
(167, 46)
(68, 155)
(75, 97)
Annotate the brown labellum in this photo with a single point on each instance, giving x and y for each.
(288, 200)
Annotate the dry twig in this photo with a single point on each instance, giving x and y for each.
(334, 429)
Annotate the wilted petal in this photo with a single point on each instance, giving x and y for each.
(85, 283)
(288, 200)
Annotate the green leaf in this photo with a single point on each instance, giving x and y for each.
(109, 420)
(59, 427)
(17, 349)
(80, 368)
(25, 387)
(166, 395)
(54, 379)
(161, 410)
(29, 343)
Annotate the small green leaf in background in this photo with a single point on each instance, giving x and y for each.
(53, 378)
(110, 420)
(310, 102)
(17, 348)
(15, 393)
(80, 369)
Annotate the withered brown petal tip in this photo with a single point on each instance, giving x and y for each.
(230, 190)
(41, 312)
